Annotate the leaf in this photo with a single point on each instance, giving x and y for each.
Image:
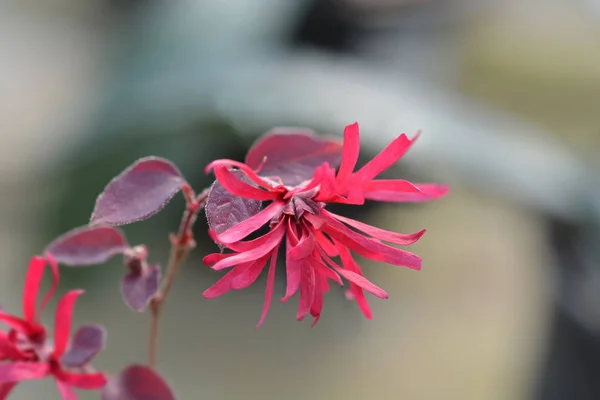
(224, 210)
(139, 288)
(88, 341)
(137, 193)
(88, 245)
(293, 154)
(137, 382)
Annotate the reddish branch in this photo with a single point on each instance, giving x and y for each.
(181, 245)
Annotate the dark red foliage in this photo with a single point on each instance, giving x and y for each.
(87, 341)
(88, 245)
(137, 193)
(224, 210)
(292, 154)
(139, 287)
(137, 382)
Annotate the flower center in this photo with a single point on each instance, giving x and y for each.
(302, 202)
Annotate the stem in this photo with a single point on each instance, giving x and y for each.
(178, 255)
(181, 245)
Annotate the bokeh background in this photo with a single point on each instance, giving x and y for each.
(507, 93)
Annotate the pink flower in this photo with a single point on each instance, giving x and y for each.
(313, 235)
(24, 349)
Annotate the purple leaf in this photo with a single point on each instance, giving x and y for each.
(137, 382)
(137, 193)
(293, 154)
(224, 210)
(88, 245)
(139, 288)
(88, 341)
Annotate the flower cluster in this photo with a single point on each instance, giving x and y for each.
(313, 235)
(26, 351)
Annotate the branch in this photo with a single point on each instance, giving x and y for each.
(181, 245)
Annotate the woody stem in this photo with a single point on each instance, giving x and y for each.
(181, 245)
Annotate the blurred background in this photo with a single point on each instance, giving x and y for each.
(507, 94)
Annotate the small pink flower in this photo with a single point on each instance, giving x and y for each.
(25, 350)
(313, 235)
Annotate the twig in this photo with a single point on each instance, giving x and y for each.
(181, 245)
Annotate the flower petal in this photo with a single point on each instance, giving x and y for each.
(303, 248)
(240, 188)
(307, 290)
(326, 271)
(269, 289)
(242, 281)
(243, 245)
(331, 192)
(317, 305)
(62, 321)
(33, 279)
(363, 282)
(240, 277)
(355, 195)
(322, 272)
(381, 234)
(213, 258)
(357, 279)
(88, 381)
(356, 291)
(275, 236)
(22, 371)
(385, 159)
(244, 228)
(66, 392)
(350, 151)
(315, 181)
(374, 250)
(55, 279)
(369, 248)
(393, 185)
(325, 243)
(16, 323)
(293, 267)
(427, 192)
(7, 349)
(243, 167)
(223, 285)
(6, 388)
